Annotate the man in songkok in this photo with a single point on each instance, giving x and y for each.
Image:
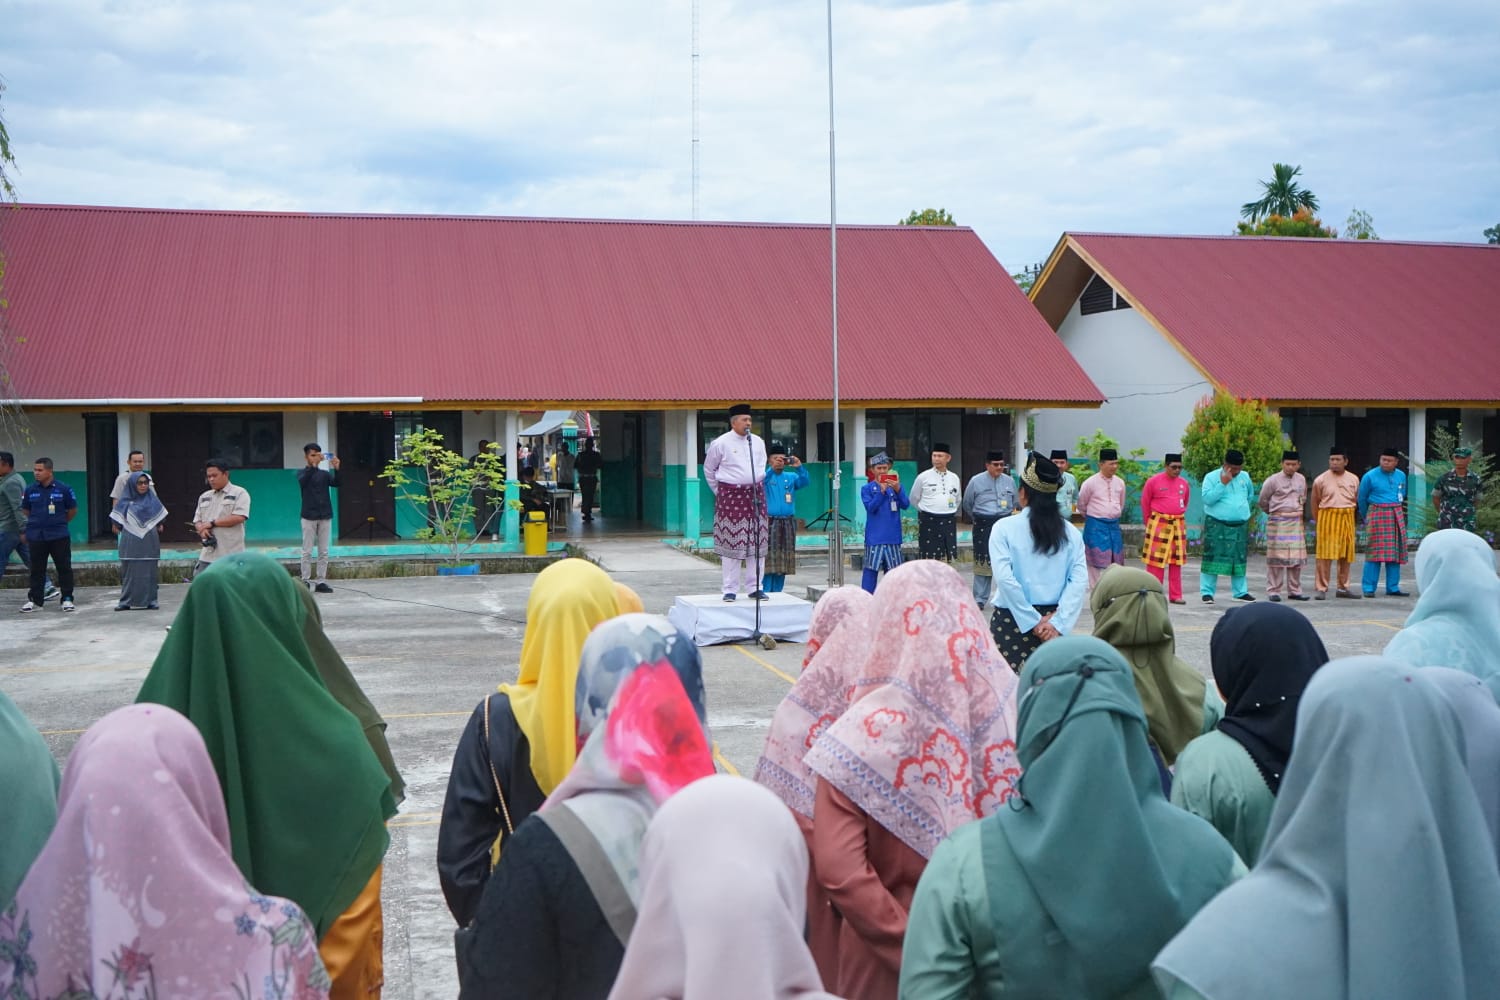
(734, 465)
(1382, 506)
(1164, 501)
(1101, 500)
(1284, 499)
(936, 493)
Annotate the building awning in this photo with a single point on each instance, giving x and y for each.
(550, 421)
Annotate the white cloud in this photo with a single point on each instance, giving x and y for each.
(1021, 118)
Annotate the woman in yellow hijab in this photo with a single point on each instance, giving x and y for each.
(521, 741)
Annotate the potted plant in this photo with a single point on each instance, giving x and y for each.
(439, 484)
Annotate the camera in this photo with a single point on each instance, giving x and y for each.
(210, 542)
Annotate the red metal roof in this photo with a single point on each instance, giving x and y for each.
(133, 304)
(1307, 320)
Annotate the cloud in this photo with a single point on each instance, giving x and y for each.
(1022, 118)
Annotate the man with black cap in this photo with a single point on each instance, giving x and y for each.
(587, 467)
(1164, 502)
(884, 499)
(935, 493)
(1335, 496)
(734, 465)
(1228, 498)
(1457, 492)
(1067, 494)
(990, 496)
(1284, 499)
(1102, 501)
(783, 479)
(1382, 500)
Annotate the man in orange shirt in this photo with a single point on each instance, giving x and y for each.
(1335, 496)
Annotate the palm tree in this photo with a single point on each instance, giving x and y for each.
(1281, 195)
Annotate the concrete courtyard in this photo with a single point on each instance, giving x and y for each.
(428, 649)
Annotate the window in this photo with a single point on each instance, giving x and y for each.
(246, 440)
(787, 428)
(907, 434)
(1099, 297)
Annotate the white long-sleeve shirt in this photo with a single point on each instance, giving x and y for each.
(1024, 578)
(936, 492)
(730, 459)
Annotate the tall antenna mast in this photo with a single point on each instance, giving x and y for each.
(695, 110)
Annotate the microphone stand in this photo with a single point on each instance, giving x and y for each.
(758, 499)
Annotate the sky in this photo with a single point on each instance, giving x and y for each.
(1022, 118)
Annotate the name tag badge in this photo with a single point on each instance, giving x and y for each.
(893, 505)
(787, 497)
(51, 508)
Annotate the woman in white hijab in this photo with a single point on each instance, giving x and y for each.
(723, 900)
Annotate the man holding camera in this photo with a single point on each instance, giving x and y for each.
(783, 479)
(223, 509)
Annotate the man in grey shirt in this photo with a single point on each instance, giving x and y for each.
(13, 521)
(989, 496)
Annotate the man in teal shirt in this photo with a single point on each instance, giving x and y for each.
(784, 478)
(1382, 499)
(1228, 499)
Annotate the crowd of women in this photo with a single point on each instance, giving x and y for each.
(923, 823)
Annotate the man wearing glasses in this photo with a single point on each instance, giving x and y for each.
(1164, 501)
(989, 496)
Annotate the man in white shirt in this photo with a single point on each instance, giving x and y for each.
(135, 462)
(734, 465)
(936, 493)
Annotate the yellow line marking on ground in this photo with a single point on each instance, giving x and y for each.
(723, 761)
(61, 732)
(420, 822)
(427, 715)
(784, 676)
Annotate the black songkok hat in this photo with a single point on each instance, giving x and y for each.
(942, 446)
(1390, 453)
(1338, 449)
(1108, 455)
(776, 449)
(1234, 457)
(1290, 456)
(739, 410)
(994, 456)
(1061, 453)
(1173, 456)
(1041, 475)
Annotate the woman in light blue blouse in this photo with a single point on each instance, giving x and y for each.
(1041, 578)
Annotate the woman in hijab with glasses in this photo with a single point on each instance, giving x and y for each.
(1073, 886)
(137, 518)
(1037, 557)
(1263, 656)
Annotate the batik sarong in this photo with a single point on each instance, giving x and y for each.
(781, 557)
(983, 525)
(740, 528)
(1014, 644)
(1336, 534)
(1103, 544)
(882, 557)
(937, 536)
(1386, 524)
(1166, 540)
(1286, 540)
(1226, 547)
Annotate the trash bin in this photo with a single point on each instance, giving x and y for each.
(534, 533)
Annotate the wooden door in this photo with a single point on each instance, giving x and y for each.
(101, 465)
(179, 447)
(983, 432)
(367, 503)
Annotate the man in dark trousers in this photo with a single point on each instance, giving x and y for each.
(587, 467)
(317, 513)
(49, 505)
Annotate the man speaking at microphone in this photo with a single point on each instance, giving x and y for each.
(734, 465)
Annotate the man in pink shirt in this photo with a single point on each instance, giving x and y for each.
(734, 466)
(1164, 501)
(1284, 499)
(1101, 501)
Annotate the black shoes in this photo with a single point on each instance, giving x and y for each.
(323, 588)
(728, 598)
(759, 595)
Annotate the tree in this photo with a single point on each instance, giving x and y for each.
(1492, 234)
(439, 484)
(929, 217)
(1303, 224)
(1221, 422)
(1281, 195)
(1359, 226)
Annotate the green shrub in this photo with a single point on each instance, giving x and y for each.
(1221, 422)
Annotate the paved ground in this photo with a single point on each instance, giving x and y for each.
(426, 649)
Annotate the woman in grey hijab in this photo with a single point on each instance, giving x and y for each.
(1378, 878)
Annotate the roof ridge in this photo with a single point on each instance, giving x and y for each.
(1262, 239)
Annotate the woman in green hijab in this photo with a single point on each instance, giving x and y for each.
(1073, 887)
(1130, 613)
(307, 796)
(28, 787)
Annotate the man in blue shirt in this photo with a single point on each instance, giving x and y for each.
(884, 499)
(49, 505)
(783, 479)
(1382, 495)
(1228, 499)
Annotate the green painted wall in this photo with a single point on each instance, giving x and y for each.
(78, 528)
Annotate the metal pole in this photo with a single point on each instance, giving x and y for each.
(836, 524)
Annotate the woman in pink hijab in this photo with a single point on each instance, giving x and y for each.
(136, 893)
(723, 877)
(927, 745)
(840, 627)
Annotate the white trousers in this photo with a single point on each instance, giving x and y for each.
(739, 575)
(316, 533)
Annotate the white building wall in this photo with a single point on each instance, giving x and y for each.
(1151, 387)
(298, 427)
(58, 436)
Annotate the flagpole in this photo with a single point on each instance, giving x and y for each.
(836, 521)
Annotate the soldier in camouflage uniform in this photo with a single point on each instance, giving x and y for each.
(1456, 493)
